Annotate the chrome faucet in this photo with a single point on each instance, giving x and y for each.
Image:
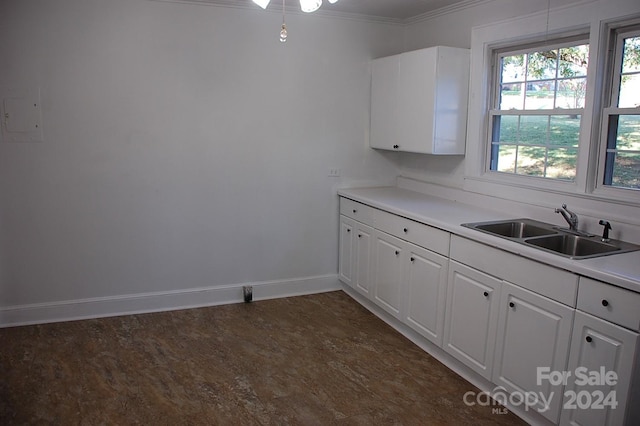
(569, 216)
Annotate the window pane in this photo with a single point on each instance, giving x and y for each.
(511, 96)
(565, 130)
(531, 161)
(561, 163)
(506, 128)
(629, 91)
(541, 65)
(533, 129)
(631, 58)
(571, 93)
(506, 158)
(573, 61)
(626, 170)
(540, 95)
(628, 133)
(512, 69)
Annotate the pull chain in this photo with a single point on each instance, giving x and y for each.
(283, 30)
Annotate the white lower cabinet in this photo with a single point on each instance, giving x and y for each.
(346, 257)
(397, 263)
(410, 283)
(516, 322)
(471, 317)
(533, 332)
(363, 240)
(356, 245)
(426, 292)
(388, 272)
(602, 347)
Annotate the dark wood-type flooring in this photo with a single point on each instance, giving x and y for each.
(311, 360)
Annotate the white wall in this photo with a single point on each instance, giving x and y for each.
(184, 145)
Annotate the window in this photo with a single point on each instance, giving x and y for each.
(537, 105)
(621, 116)
(554, 109)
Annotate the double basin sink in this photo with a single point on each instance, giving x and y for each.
(547, 237)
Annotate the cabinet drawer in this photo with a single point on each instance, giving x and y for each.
(608, 302)
(417, 233)
(358, 211)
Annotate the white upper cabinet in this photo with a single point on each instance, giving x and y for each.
(419, 101)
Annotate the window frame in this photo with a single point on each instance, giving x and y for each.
(518, 48)
(613, 39)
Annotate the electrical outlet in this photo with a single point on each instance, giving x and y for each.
(334, 172)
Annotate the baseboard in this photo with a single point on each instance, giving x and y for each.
(162, 301)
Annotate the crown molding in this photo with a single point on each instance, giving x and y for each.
(457, 7)
(290, 10)
(235, 4)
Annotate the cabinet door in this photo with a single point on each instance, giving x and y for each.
(388, 271)
(471, 317)
(533, 332)
(596, 346)
(363, 241)
(384, 103)
(417, 98)
(426, 286)
(346, 256)
(452, 97)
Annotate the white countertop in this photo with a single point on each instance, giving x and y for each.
(622, 270)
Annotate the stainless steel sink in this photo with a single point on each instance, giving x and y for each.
(518, 228)
(573, 245)
(547, 237)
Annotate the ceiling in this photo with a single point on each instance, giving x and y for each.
(389, 10)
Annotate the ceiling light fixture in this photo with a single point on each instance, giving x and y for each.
(262, 3)
(310, 5)
(307, 6)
